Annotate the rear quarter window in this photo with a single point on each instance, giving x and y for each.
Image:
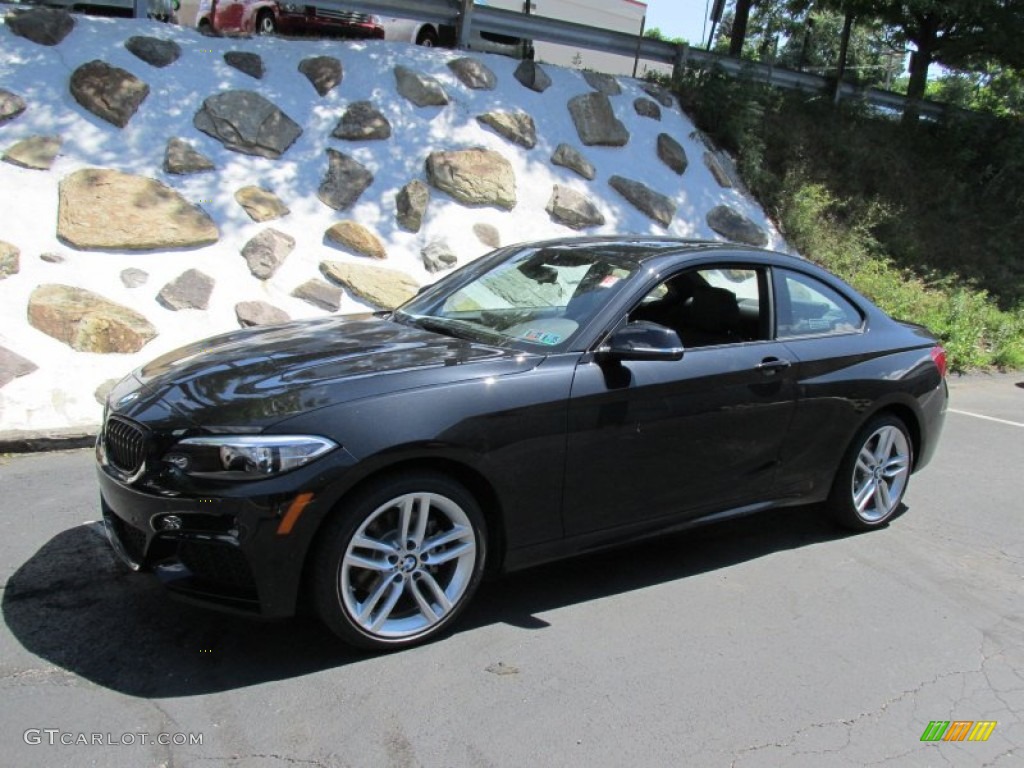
(808, 307)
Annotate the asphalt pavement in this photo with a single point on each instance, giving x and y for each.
(775, 640)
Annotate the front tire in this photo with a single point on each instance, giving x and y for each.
(873, 476)
(265, 24)
(427, 38)
(400, 561)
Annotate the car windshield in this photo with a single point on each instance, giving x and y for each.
(538, 297)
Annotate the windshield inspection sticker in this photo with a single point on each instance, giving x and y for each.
(609, 281)
(541, 337)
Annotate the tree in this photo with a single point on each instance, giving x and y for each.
(740, 19)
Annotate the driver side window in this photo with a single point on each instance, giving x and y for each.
(710, 306)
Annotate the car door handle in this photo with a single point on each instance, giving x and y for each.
(772, 365)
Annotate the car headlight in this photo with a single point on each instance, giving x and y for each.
(246, 457)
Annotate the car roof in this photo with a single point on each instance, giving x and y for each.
(643, 248)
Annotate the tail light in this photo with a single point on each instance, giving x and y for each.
(939, 357)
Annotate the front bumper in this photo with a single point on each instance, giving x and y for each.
(231, 550)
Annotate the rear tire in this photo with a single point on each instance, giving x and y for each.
(265, 24)
(873, 476)
(427, 38)
(399, 561)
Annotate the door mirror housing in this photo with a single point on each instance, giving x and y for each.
(642, 340)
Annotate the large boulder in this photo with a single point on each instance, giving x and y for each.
(253, 313)
(474, 74)
(35, 152)
(11, 105)
(111, 93)
(644, 199)
(266, 252)
(261, 204)
(411, 205)
(10, 260)
(657, 93)
(647, 108)
(246, 62)
(181, 158)
(153, 50)
(736, 227)
(605, 84)
(45, 26)
(189, 290)
(474, 176)
(377, 286)
(569, 207)
(102, 209)
(718, 170)
(571, 158)
(86, 321)
(324, 72)
(595, 120)
(346, 179)
(530, 75)
(671, 153)
(517, 127)
(422, 90)
(356, 238)
(246, 122)
(362, 121)
(13, 365)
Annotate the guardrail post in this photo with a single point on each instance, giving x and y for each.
(682, 54)
(465, 24)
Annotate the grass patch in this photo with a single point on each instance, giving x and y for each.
(926, 221)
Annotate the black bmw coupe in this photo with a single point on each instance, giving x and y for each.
(546, 400)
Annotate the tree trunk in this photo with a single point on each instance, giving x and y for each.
(739, 27)
(919, 63)
(844, 48)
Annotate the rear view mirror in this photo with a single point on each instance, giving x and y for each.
(642, 340)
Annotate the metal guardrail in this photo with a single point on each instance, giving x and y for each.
(534, 27)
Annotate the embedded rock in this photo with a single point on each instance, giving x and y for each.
(11, 105)
(102, 209)
(569, 157)
(357, 238)
(153, 50)
(35, 152)
(248, 63)
(362, 122)
(246, 122)
(473, 176)
(253, 313)
(411, 205)
(530, 74)
(266, 252)
(377, 286)
(45, 26)
(437, 256)
(51, 258)
(671, 153)
(421, 90)
(733, 226)
(324, 72)
(647, 108)
(261, 204)
(319, 294)
(86, 321)
(644, 199)
(487, 234)
(605, 84)
(13, 365)
(181, 159)
(111, 93)
(102, 392)
(134, 278)
(718, 171)
(569, 207)
(595, 120)
(189, 290)
(10, 260)
(345, 181)
(657, 93)
(517, 127)
(474, 74)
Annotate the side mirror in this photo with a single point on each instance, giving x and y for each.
(642, 340)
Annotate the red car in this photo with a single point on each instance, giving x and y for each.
(267, 17)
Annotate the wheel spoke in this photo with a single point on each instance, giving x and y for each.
(405, 515)
(447, 537)
(360, 561)
(421, 520)
(424, 605)
(439, 594)
(364, 610)
(882, 499)
(884, 447)
(864, 462)
(397, 587)
(863, 495)
(451, 554)
(897, 465)
(362, 541)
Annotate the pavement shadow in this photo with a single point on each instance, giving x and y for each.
(76, 606)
